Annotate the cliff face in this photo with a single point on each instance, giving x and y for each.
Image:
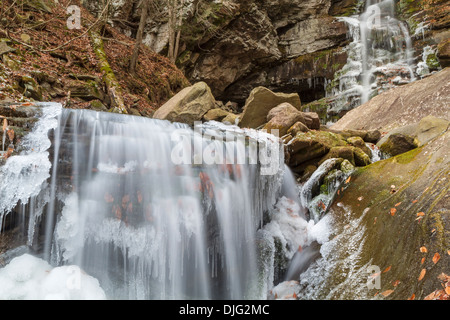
(284, 45)
(234, 46)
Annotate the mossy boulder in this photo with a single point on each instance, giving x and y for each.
(308, 148)
(85, 90)
(398, 143)
(369, 233)
(345, 152)
(359, 143)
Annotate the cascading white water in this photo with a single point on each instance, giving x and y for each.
(146, 206)
(380, 56)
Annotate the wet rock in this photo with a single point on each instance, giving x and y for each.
(308, 148)
(393, 240)
(361, 158)
(402, 106)
(345, 152)
(231, 118)
(360, 143)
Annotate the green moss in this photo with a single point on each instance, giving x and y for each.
(407, 157)
(433, 62)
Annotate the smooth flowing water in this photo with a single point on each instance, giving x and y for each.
(151, 209)
(380, 56)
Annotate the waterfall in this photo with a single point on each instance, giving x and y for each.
(146, 206)
(380, 56)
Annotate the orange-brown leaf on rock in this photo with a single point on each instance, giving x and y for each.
(422, 274)
(393, 211)
(436, 258)
(387, 293)
(387, 269)
(109, 198)
(413, 297)
(447, 290)
(444, 277)
(423, 249)
(27, 104)
(431, 296)
(11, 134)
(348, 180)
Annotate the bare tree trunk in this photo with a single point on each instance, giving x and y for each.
(178, 37)
(140, 34)
(172, 7)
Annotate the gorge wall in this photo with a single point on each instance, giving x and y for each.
(284, 45)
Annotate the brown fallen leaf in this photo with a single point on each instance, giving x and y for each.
(348, 180)
(420, 214)
(444, 277)
(387, 269)
(397, 204)
(415, 201)
(431, 296)
(387, 293)
(423, 249)
(422, 261)
(413, 297)
(393, 211)
(436, 258)
(109, 198)
(396, 283)
(422, 274)
(447, 290)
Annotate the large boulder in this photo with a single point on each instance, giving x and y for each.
(390, 223)
(403, 105)
(413, 135)
(216, 115)
(282, 118)
(398, 143)
(259, 104)
(188, 106)
(307, 148)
